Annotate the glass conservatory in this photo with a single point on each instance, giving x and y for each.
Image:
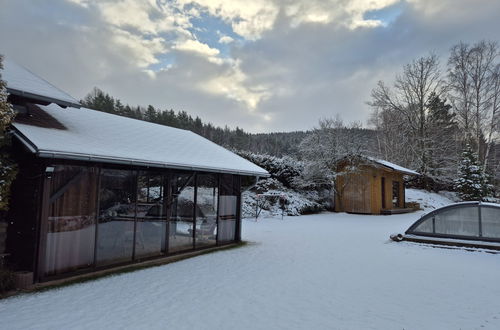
(460, 224)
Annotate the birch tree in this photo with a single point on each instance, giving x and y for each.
(473, 76)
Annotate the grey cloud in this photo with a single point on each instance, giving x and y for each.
(311, 71)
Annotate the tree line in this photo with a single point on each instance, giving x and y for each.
(277, 144)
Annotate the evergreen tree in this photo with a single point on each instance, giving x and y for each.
(150, 114)
(8, 169)
(442, 135)
(472, 184)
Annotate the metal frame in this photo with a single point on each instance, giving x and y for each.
(425, 217)
(168, 197)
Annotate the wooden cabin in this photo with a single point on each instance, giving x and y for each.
(370, 186)
(97, 191)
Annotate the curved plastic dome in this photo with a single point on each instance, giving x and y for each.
(462, 221)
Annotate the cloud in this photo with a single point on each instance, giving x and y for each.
(293, 62)
(225, 40)
(196, 47)
(248, 19)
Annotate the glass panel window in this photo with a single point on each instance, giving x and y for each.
(425, 226)
(71, 221)
(461, 220)
(151, 224)
(181, 222)
(229, 191)
(395, 194)
(115, 234)
(206, 209)
(490, 219)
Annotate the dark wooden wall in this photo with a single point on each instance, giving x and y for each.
(22, 216)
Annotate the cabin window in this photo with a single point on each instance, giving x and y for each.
(207, 193)
(395, 194)
(151, 224)
(71, 221)
(182, 212)
(116, 228)
(228, 207)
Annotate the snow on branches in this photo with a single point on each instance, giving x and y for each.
(8, 169)
(472, 183)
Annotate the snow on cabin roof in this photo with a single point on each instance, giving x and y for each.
(393, 166)
(91, 135)
(22, 82)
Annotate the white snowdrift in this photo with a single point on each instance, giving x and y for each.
(326, 271)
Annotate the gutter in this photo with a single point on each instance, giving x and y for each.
(133, 162)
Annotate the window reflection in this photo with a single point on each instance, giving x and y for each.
(115, 236)
(182, 212)
(206, 210)
(71, 221)
(151, 217)
(229, 190)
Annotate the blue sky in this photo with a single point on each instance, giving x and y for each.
(263, 65)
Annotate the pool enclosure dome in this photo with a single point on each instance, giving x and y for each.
(473, 224)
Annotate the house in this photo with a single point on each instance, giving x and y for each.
(97, 191)
(370, 186)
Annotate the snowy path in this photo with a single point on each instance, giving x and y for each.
(328, 271)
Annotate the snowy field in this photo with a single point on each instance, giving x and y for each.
(326, 271)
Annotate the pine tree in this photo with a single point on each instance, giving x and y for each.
(442, 139)
(8, 169)
(472, 184)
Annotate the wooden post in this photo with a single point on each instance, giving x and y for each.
(44, 223)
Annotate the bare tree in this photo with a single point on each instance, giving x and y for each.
(407, 102)
(482, 59)
(473, 81)
(493, 126)
(460, 85)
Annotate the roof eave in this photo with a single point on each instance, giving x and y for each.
(135, 162)
(43, 98)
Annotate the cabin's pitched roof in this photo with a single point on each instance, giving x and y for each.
(84, 134)
(393, 166)
(22, 82)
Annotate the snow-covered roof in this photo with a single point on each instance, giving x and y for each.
(22, 82)
(84, 134)
(393, 166)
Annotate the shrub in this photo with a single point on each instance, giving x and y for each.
(7, 280)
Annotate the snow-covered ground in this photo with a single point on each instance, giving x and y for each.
(325, 271)
(428, 200)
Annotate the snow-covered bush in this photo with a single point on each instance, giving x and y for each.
(287, 180)
(285, 169)
(267, 194)
(269, 204)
